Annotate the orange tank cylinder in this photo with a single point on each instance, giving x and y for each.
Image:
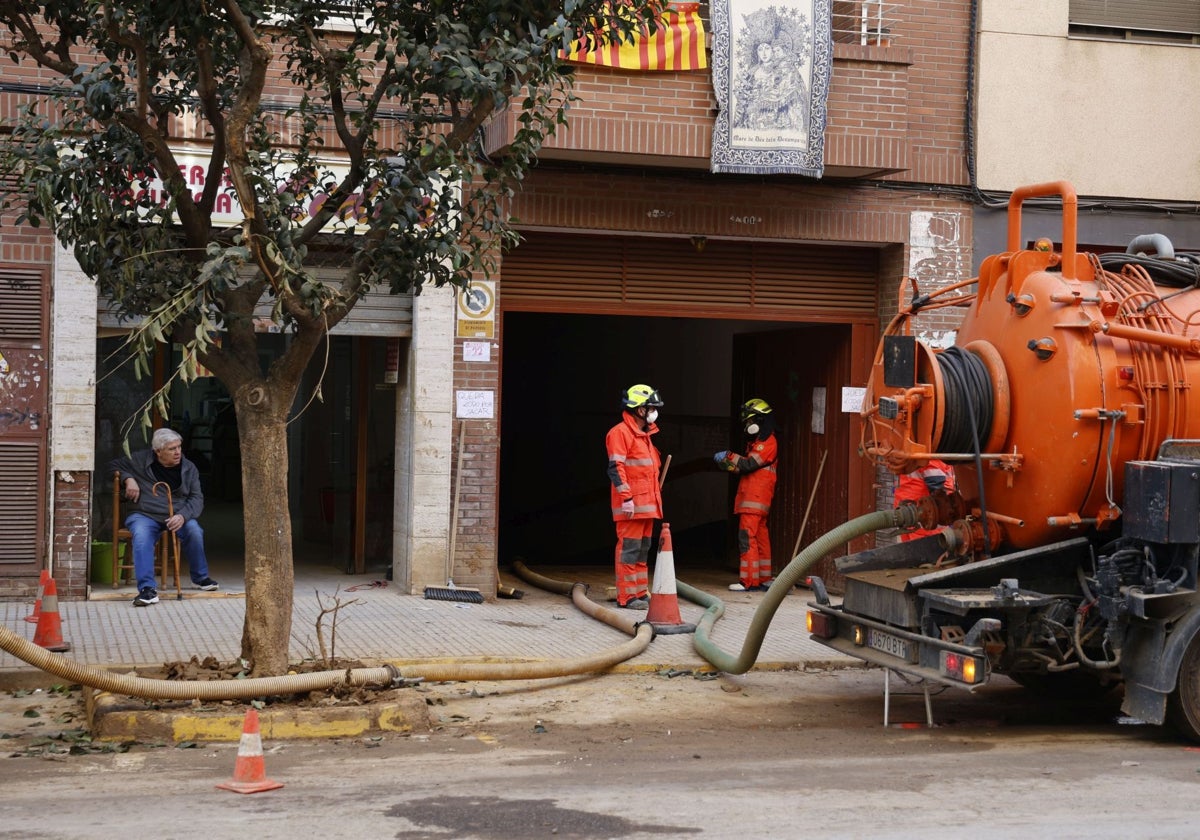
(1064, 368)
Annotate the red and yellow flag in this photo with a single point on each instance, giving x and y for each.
(678, 43)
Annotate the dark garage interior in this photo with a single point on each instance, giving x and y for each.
(562, 379)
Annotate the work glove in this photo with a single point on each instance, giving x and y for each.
(627, 508)
(726, 460)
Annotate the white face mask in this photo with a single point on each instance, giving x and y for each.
(651, 415)
(751, 428)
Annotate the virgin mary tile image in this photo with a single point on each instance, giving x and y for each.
(770, 95)
(771, 67)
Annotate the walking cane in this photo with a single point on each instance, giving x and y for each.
(174, 535)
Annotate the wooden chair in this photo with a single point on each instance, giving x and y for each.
(122, 567)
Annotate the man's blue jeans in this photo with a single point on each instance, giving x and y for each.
(146, 532)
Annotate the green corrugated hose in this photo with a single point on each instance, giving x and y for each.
(793, 573)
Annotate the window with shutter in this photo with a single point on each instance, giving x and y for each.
(1136, 20)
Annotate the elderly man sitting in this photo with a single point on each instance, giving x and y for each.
(151, 512)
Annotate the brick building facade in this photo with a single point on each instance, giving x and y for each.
(631, 172)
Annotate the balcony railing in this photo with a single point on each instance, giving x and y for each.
(865, 22)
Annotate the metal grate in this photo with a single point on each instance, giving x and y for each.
(23, 302)
(20, 492)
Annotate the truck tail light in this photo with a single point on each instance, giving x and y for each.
(969, 669)
(821, 624)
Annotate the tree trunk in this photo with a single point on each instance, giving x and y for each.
(262, 430)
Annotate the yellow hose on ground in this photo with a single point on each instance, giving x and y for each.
(447, 671)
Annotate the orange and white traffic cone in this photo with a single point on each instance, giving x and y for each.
(49, 629)
(250, 773)
(664, 600)
(32, 618)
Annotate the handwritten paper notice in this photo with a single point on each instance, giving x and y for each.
(852, 399)
(474, 404)
(477, 351)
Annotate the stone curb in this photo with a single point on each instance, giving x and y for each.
(113, 717)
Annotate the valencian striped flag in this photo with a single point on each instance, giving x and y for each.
(678, 44)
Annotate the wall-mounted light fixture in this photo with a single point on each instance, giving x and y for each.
(698, 242)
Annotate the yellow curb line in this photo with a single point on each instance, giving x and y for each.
(115, 718)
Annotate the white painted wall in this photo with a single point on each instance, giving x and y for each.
(1112, 118)
(73, 367)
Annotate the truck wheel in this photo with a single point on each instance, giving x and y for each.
(1183, 706)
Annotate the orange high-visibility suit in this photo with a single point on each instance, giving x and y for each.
(935, 477)
(633, 467)
(756, 489)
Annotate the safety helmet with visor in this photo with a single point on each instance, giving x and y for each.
(752, 409)
(638, 396)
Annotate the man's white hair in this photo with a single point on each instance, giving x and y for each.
(164, 438)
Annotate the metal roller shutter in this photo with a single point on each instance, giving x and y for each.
(378, 313)
(1182, 16)
(23, 419)
(557, 272)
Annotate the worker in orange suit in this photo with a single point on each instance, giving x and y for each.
(756, 489)
(633, 467)
(935, 477)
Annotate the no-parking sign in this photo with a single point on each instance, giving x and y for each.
(477, 310)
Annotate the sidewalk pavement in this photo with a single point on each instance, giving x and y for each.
(379, 624)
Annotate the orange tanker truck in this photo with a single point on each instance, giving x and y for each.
(1069, 406)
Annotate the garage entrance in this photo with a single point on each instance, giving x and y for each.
(584, 317)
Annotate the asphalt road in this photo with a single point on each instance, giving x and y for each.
(772, 754)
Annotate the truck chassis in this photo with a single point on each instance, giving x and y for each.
(1080, 615)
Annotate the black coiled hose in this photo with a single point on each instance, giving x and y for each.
(968, 401)
(1181, 273)
(968, 411)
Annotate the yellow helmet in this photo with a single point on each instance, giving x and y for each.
(637, 396)
(755, 406)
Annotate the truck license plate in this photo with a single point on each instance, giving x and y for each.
(887, 643)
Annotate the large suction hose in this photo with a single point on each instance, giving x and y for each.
(56, 664)
(904, 516)
(643, 633)
(449, 671)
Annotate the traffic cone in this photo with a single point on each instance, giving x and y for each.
(49, 629)
(249, 773)
(664, 600)
(37, 605)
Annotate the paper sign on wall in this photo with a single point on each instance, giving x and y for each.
(476, 351)
(818, 411)
(474, 404)
(852, 399)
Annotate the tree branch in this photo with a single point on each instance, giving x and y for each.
(255, 59)
(55, 57)
(206, 93)
(138, 47)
